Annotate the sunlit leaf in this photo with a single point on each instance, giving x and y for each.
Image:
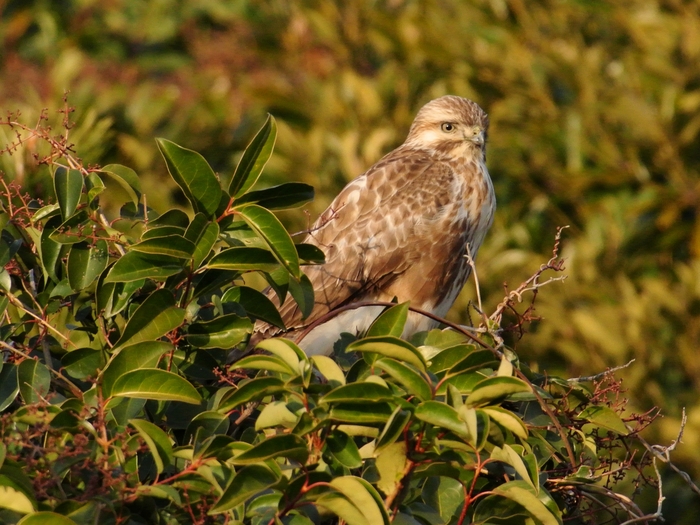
(153, 383)
(68, 185)
(194, 176)
(254, 159)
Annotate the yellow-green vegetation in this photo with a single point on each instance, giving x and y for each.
(595, 115)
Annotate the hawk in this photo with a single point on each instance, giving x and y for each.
(401, 230)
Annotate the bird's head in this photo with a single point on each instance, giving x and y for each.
(450, 126)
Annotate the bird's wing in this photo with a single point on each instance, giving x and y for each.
(377, 228)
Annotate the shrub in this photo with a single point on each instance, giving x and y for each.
(119, 406)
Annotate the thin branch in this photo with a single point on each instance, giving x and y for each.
(601, 375)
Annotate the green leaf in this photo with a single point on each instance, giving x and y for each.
(244, 258)
(390, 322)
(86, 262)
(270, 229)
(247, 482)
(389, 346)
(329, 369)
(391, 465)
(254, 159)
(284, 349)
(475, 361)
(127, 179)
(9, 386)
(83, 362)
(68, 185)
(303, 293)
(342, 507)
(276, 414)
(252, 390)
(172, 245)
(393, 428)
(157, 441)
(343, 448)
(160, 491)
(256, 304)
(153, 383)
(224, 331)
(521, 493)
(414, 383)
(364, 497)
(508, 455)
(14, 498)
(94, 185)
(288, 446)
(443, 416)
(282, 197)
(194, 176)
(365, 392)
(50, 250)
(361, 413)
(604, 417)
(445, 495)
(206, 424)
(34, 380)
(155, 317)
(204, 235)
(46, 518)
(507, 419)
(493, 388)
(134, 266)
(271, 363)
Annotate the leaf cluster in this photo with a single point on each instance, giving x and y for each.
(119, 406)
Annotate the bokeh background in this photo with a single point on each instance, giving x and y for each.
(595, 116)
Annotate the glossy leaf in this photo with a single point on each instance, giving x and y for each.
(83, 362)
(86, 262)
(250, 480)
(414, 383)
(153, 383)
(244, 258)
(224, 331)
(493, 388)
(343, 448)
(34, 380)
(390, 322)
(288, 446)
(389, 346)
(364, 497)
(253, 390)
(519, 492)
(68, 185)
(509, 456)
(358, 393)
(270, 363)
(135, 266)
(46, 518)
(282, 197)
(126, 178)
(155, 317)
(172, 245)
(158, 442)
(393, 428)
(270, 229)
(254, 159)
(9, 385)
(255, 304)
(194, 176)
(442, 415)
(508, 420)
(604, 417)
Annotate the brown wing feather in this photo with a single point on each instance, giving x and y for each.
(372, 233)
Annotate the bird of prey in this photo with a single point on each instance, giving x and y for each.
(401, 230)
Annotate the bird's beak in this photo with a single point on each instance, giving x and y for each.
(479, 139)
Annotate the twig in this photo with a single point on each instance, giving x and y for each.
(601, 375)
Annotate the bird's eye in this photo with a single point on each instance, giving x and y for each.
(447, 127)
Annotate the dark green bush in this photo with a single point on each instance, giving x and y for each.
(119, 406)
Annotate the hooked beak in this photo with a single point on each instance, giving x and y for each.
(479, 139)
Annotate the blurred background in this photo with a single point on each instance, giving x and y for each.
(595, 116)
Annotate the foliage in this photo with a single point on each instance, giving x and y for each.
(119, 406)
